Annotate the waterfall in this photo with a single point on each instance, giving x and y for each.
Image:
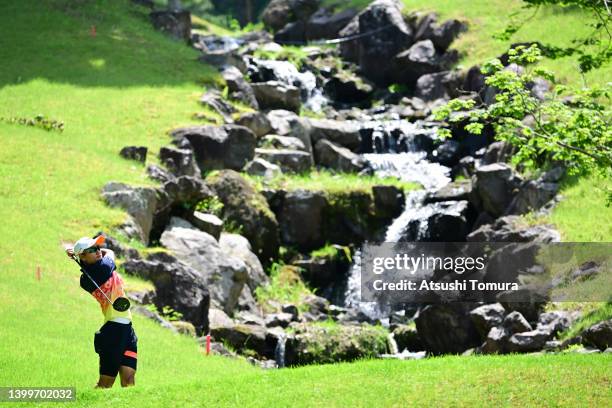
(392, 344)
(410, 166)
(279, 351)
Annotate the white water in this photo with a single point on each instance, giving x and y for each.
(410, 166)
(279, 351)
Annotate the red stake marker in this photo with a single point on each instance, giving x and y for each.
(38, 274)
(93, 31)
(207, 344)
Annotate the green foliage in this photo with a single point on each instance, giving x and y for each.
(285, 286)
(603, 311)
(594, 49)
(294, 54)
(211, 205)
(333, 252)
(39, 121)
(166, 312)
(570, 127)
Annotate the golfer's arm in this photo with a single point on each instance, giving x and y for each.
(109, 253)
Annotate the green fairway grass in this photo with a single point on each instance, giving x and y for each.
(129, 85)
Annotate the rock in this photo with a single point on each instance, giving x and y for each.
(257, 122)
(344, 133)
(301, 219)
(446, 328)
(325, 24)
(247, 208)
(283, 142)
(288, 160)
(242, 337)
(455, 191)
(496, 341)
(278, 320)
(276, 14)
(185, 328)
(447, 222)
(185, 191)
(225, 275)
(227, 146)
(420, 59)
(388, 200)
(556, 321)
(497, 152)
(327, 276)
(320, 344)
(139, 202)
(177, 24)
(262, 168)
(292, 310)
(443, 35)
(438, 85)
(587, 270)
(510, 229)
(330, 155)
(381, 45)
(158, 174)
(239, 247)
(532, 195)
(138, 153)
(528, 302)
(238, 87)
(448, 153)
(215, 101)
(292, 33)
(407, 338)
(141, 310)
(275, 95)
(599, 335)
(516, 323)
(120, 250)
(180, 162)
(348, 89)
(245, 317)
(495, 186)
(281, 121)
(487, 316)
(209, 223)
(316, 304)
(528, 341)
(177, 285)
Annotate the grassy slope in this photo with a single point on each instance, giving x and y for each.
(127, 85)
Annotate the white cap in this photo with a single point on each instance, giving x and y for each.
(86, 242)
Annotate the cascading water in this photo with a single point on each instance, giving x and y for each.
(279, 351)
(410, 166)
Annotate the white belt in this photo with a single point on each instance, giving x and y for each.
(122, 320)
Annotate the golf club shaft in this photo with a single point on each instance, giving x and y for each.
(93, 281)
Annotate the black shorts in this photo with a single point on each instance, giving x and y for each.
(116, 343)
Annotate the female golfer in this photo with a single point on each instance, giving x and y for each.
(116, 341)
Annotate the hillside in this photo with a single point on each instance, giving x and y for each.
(100, 69)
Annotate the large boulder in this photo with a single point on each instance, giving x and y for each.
(283, 142)
(320, 344)
(495, 185)
(215, 101)
(301, 219)
(257, 122)
(388, 200)
(295, 161)
(349, 89)
(344, 133)
(447, 328)
(177, 285)
(381, 44)
(330, 155)
(487, 316)
(439, 85)
(138, 153)
(139, 202)
(228, 146)
(280, 12)
(238, 87)
(276, 95)
(262, 168)
(224, 274)
(247, 209)
(511, 229)
(532, 195)
(599, 335)
(528, 341)
(441, 35)
(326, 24)
(420, 59)
(239, 247)
(179, 162)
(209, 223)
(448, 221)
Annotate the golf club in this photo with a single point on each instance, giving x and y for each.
(120, 304)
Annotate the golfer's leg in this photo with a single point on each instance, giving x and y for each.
(105, 381)
(128, 376)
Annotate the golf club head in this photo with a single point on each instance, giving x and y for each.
(121, 304)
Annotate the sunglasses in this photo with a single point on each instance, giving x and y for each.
(91, 250)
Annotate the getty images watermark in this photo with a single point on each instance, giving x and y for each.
(489, 272)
